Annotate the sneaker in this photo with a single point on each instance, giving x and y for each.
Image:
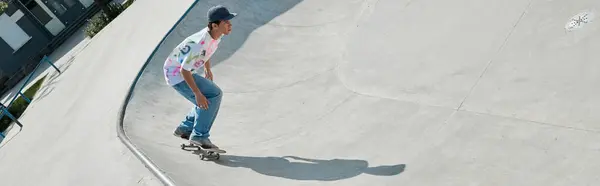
(204, 143)
(181, 134)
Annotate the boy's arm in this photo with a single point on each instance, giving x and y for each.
(191, 55)
(207, 66)
(189, 79)
(207, 71)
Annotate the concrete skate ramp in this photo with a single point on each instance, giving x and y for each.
(388, 92)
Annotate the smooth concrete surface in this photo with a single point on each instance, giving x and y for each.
(70, 135)
(387, 92)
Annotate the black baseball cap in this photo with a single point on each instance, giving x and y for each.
(219, 12)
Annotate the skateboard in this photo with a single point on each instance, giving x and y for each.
(204, 153)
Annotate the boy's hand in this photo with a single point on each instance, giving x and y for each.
(201, 101)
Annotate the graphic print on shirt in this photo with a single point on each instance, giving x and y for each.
(196, 59)
(191, 54)
(200, 62)
(185, 49)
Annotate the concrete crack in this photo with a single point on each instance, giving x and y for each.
(535, 122)
(500, 49)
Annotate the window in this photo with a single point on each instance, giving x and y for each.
(60, 9)
(11, 33)
(38, 12)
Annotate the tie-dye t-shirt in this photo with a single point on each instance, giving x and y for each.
(190, 54)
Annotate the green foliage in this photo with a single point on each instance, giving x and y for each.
(19, 106)
(3, 6)
(114, 9)
(128, 3)
(109, 13)
(96, 24)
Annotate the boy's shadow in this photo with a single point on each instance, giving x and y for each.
(308, 169)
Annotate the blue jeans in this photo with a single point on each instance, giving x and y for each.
(198, 122)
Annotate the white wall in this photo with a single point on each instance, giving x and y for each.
(17, 15)
(12, 33)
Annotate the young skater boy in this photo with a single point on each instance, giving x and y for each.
(179, 71)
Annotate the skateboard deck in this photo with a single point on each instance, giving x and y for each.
(204, 153)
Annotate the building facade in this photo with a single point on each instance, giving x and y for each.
(30, 29)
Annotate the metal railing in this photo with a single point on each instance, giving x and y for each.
(4, 109)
